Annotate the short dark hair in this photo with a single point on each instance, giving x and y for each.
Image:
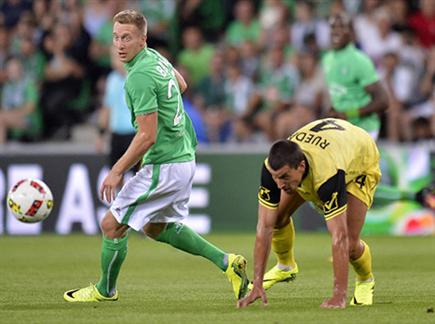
(132, 17)
(284, 152)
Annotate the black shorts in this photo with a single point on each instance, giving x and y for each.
(118, 145)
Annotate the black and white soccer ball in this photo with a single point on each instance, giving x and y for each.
(30, 200)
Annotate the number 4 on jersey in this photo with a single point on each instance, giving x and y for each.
(327, 125)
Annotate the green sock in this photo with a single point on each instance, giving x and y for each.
(388, 194)
(183, 238)
(113, 253)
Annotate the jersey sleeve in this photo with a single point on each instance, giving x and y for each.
(268, 194)
(332, 193)
(142, 91)
(366, 71)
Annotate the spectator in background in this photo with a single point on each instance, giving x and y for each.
(423, 22)
(398, 80)
(159, 16)
(245, 26)
(63, 78)
(273, 14)
(11, 11)
(385, 40)
(210, 97)
(418, 122)
(101, 42)
(19, 97)
(278, 82)
(412, 55)
(25, 29)
(96, 14)
(196, 55)
(32, 59)
(280, 38)
(308, 99)
(192, 109)
(250, 60)
(365, 25)
(210, 90)
(238, 89)
(232, 55)
(208, 15)
(4, 52)
(40, 9)
(80, 38)
(398, 11)
(114, 114)
(307, 23)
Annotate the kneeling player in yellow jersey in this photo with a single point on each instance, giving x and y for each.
(335, 165)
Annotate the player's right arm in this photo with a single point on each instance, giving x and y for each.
(140, 87)
(144, 138)
(268, 211)
(266, 222)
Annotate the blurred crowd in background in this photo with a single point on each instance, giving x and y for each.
(252, 66)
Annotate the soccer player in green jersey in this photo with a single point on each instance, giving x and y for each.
(353, 83)
(155, 199)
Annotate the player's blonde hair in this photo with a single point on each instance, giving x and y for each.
(132, 17)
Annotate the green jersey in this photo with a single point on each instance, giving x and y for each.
(347, 72)
(151, 86)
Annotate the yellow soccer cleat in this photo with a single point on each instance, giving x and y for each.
(276, 275)
(87, 294)
(236, 274)
(363, 295)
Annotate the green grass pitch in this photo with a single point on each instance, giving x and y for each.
(159, 284)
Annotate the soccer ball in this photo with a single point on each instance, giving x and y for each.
(30, 200)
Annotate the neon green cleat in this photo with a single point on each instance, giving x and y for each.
(236, 274)
(276, 275)
(87, 294)
(363, 295)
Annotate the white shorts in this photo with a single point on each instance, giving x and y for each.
(156, 194)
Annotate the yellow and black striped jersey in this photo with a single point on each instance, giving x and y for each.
(337, 153)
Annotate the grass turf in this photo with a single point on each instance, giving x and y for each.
(159, 284)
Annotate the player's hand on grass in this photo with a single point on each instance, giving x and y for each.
(256, 293)
(108, 188)
(334, 302)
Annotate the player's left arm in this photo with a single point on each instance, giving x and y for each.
(334, 197)
(337, 227)
(379, 102)
(369, 79)
(144, 138)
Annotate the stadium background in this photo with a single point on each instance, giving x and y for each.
(226, 66)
